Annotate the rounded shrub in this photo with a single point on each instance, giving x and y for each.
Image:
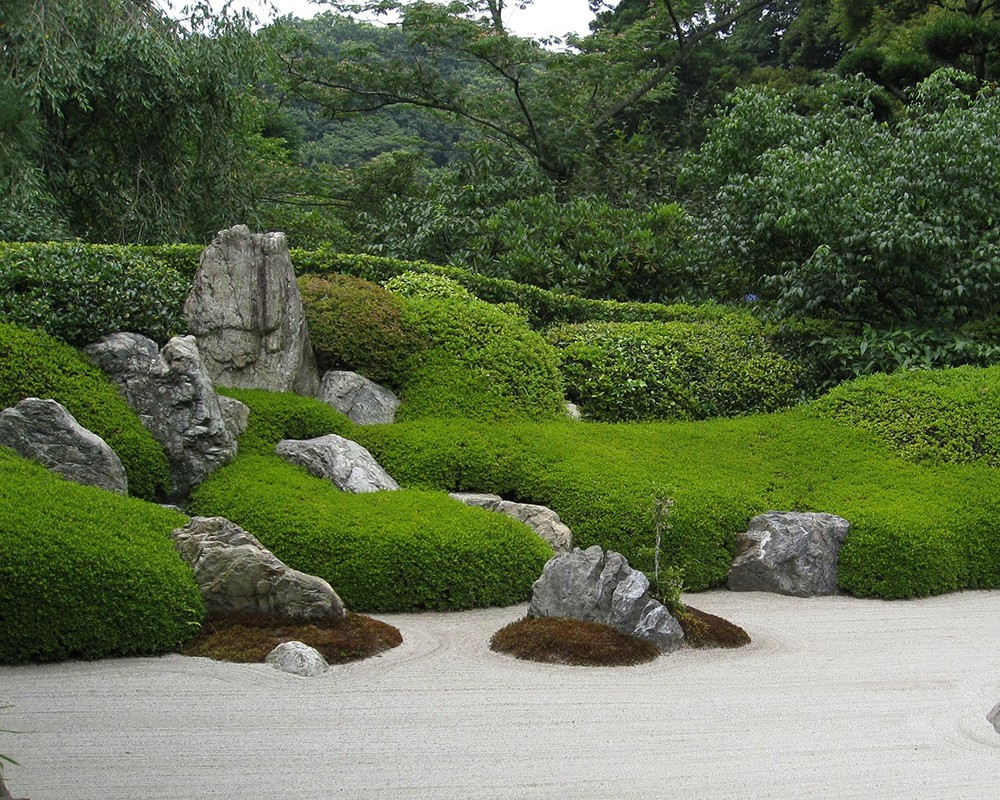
(382, 551)
(674, 370)
(357, 325)
(496, 362)
(80, 292)
(33, 364)
(425, 284)
(85, 573)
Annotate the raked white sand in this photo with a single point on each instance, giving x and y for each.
(836, 698)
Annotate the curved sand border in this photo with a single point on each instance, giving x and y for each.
(836, 698)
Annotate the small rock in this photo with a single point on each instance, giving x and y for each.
(363, 401)
(543, 521)
(298, 659)
(573, 411)
(346, 464)
(994, 717)
(235, 415)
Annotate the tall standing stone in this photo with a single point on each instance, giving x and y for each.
(246, 312)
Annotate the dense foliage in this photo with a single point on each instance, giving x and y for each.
(85, 573)
(33, 364)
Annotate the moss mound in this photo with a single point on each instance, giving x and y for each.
(33, 364)
(558, 640)
(248, 638)
(707, 630)
(85, 573)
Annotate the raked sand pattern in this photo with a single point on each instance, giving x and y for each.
(836, 698)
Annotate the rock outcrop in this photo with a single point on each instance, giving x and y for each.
(601, 587)
(789, 552)
(543, 521)
(344, 463)
(246, 312)
(45, 432)
(175, 401)
(363, 401)
(298, 659)
(235, 572)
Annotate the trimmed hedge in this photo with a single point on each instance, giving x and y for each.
(937, 416)
(33, 364)
(676, 370)
(381, 551)
(85, 573)
(79, 293)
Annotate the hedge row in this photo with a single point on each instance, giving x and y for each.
(85, 573)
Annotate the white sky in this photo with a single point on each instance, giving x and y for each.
(540, 19)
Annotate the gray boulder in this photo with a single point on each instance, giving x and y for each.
(346, 464)
(994, 717)
(790, 553)
(543, 521)
(235, 415)
(235, 572)
(175, 401)
(45, 432)
(363, 401)
(246, 312)
(601, 587)
(298, 659)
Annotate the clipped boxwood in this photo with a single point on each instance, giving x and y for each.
(357, 325)
(33, 364)
(938, 416)
(85, 573)
(502, 367)
(382, 551)
(675, 370)
(79, 292)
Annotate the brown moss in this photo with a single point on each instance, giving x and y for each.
(556, 640)
(248, 638)
(708, 630)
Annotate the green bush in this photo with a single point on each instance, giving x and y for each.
(79, 293)
(277, 415)
(939, 416)
(85, 573)
(477, 348)
(426, 284)
(676, 370)
(33, 364)
(382, 551)
(357, 325)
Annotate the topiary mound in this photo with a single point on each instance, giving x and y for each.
(33, 364)
(559, 640)
(480, 354)
(357, 325)
(674, 370)
(85, 573)
(248, 638)
(935, 416)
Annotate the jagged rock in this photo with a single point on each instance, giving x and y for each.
(344, 463)
(789, 552)
(994, 717)
(363, 401)
(543, 521)
(235, 415)
(246, 312)
(235, 572)
(298, 659)
(174, 399)
(597, 587)
(45, 432)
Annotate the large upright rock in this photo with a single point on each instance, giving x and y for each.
(235, 572)
(542, 520)
(174, 399)
(363, 401)
(597, 587)
(45, 432)
(344, 463)
(789, 552)
(246, 312)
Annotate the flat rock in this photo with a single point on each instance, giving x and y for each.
(789, 552)
(363, 401)
(346, 464)
(595, 586)
(298, 659)
(236, 573)
(246, 312)
(542, 520)
(45, 432)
